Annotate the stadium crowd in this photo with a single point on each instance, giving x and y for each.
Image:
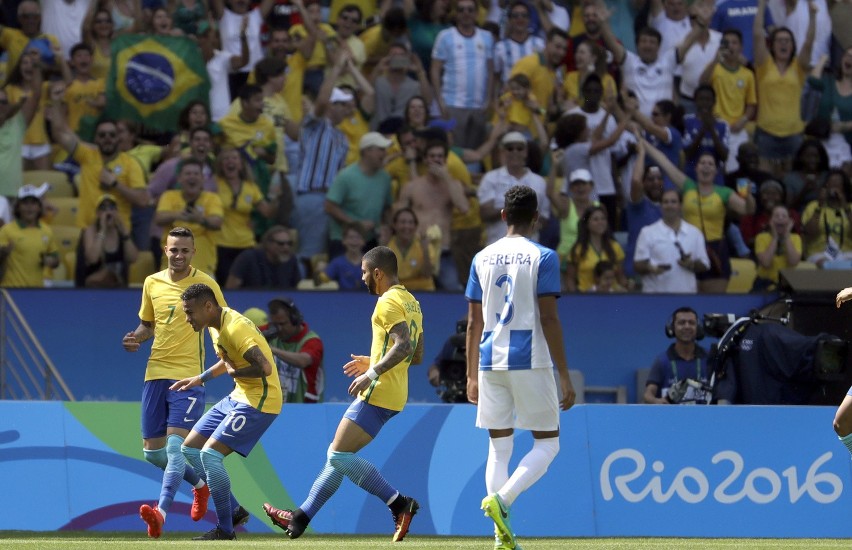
(666, 140)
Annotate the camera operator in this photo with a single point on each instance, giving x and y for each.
(680, 374)
(449, 370)
(298, 352)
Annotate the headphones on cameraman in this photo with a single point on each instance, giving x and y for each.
(288, 304)
(699, 326)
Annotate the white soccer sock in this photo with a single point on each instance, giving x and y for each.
(497, 465)
(531, 468)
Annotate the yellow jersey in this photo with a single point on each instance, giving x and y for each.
(237, 230)
(237, 335)
(396, 305)
(78, 94)
(126, 169)
(29, 246)
(319, 57)
(177, 351)
(37, 130)
(734, 91)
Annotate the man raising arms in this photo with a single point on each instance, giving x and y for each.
(511, 295)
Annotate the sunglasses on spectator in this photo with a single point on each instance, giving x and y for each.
(103, 20)
(515, 147)
(519, 15)
(466, 9)
(106, 134)
(283, 243)
(350, 18)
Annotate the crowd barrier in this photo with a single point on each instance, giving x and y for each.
(623, 470)
(607, 337)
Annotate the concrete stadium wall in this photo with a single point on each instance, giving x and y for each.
(607, 337)
(623, 470)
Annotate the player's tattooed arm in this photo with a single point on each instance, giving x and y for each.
(418, 352)
(399, 351)
(258, 365)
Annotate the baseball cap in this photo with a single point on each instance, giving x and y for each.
(513, 137)
(580, 174)
(444, 124)
(32, 191)
(339, 96)
(103, 198)
(374, 139)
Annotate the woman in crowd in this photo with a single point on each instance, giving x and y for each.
(594, 244)
(810, 167)
(24, 80)
(98, 33)
(663, 129)
(27, 246)
(416, 113)
(827, 221)
(240, 196)
(769, 195)
(105, 250)
(589, 58)
(705, 205)
(780, 74)
(414, 255)
(836, 95)
(428, 18)
(776, 248)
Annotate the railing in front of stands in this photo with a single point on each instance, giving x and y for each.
(26, 371)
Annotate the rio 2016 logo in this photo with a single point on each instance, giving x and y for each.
(760, 485)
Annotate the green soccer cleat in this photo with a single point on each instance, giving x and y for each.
(500, 513)
(498, 542)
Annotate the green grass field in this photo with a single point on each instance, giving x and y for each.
(180, 541)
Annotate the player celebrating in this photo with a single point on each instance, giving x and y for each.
(177, 352)
(381, 390)
(511, 295)
(238, 420)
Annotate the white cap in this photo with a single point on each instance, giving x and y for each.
(33, 191)
(580, 174)
(340, 96)
(374, 139)
(513, 137)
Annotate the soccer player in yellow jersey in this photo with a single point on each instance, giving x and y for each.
(177, 352)
(238, 420)
(380, 390)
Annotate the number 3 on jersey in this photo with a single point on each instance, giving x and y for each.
(505, 316)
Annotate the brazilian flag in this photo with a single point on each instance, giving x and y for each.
(152, 78)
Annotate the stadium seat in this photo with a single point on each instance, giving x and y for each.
(141, 268)
(838, 264)
(59, 184)
(743, 273)
(66, 211)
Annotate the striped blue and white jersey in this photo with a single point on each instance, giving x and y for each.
(508, 277)
(507, 52)
(466, 67)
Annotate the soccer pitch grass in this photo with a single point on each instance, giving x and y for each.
(180, 541)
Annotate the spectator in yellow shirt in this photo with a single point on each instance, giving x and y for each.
(85, 96)
(27, 245)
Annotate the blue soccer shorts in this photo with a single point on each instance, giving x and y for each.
(369, 417)
(235, 424)
(163, 408)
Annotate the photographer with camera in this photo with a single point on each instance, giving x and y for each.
(298, 352)
(680, 374)
(448, 372)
